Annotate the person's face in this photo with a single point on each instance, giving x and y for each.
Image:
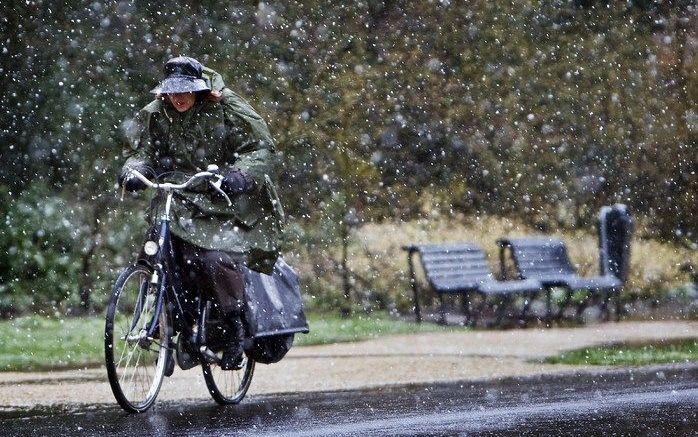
(182, 101)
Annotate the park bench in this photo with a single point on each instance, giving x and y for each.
(545, 259)
(462, 269)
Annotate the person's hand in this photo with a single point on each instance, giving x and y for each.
(236, 182)
(130, 182)
(215, 96)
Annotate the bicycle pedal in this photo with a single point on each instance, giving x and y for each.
(209, 356)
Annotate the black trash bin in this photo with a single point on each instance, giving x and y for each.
(615, 232)
(615, 228)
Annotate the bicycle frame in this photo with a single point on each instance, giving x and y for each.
(164, 276)
(167, 271)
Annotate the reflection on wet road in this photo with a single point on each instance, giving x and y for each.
(659, 401)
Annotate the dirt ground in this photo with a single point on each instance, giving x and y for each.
(404, 359)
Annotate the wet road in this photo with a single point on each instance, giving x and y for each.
(658, 401)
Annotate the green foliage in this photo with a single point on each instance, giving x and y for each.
(544, 110)
(540, 111)
(323, 294)
(678, 352)
(37, 247)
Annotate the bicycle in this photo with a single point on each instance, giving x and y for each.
(148, 308)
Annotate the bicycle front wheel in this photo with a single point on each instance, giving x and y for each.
(136, 362)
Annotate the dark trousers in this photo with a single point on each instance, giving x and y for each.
(214, 273)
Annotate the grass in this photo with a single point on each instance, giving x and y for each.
(330, 328)
(39, 343)
(674, 352)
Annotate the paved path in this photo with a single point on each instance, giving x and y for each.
(404, 359)
(654, 400)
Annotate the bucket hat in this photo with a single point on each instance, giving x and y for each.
(182, 75)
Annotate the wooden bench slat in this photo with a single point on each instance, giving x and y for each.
(456, 274)
(466, 257)
(543, 268)
(458, 265)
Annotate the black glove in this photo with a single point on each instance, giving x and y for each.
(130, 182)
(236, 182)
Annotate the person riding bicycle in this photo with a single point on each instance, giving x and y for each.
(195, 121)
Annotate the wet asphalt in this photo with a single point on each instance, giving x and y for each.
(629, 402)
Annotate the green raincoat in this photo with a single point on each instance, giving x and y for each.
(230, 134)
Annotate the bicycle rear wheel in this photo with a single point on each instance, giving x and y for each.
(135, 363)
(228, 387)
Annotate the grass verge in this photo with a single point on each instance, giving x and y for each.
(674, 352)
(39, 343)
(330, 328)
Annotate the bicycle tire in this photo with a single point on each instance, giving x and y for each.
(135, 388)
(228, 387)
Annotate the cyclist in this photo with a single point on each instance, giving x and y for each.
(195, 121)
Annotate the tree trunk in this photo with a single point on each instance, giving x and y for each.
(85, 281)
(346, 284)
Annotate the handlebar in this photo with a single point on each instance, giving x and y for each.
(168, 186)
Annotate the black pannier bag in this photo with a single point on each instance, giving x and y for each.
(274, 312)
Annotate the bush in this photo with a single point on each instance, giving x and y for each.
(38, 269)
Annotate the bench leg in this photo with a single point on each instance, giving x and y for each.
(583, 304)
(466, 309)
(605, 310)
(504, 304)
(564, 304)
(619, 304)
(478, 310)
(548, 306)
(526, 306)
(415, 288)
(442, 309)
